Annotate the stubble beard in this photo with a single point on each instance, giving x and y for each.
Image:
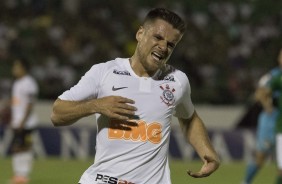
(148, 62)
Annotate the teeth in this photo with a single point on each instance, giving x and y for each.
(157, 56)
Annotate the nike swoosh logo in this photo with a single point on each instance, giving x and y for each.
(115, 89)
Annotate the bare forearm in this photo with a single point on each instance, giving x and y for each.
(68, 112)
(197, 136)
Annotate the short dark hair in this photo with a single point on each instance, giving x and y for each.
(168, 16)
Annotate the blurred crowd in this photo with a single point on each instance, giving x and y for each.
(227, 46)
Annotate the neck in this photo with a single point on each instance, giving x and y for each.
(21, 76)
(138, 68)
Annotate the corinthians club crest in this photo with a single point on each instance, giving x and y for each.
(167, 96)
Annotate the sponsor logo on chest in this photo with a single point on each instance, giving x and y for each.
(142, 132)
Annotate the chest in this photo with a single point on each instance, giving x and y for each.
(155, 97)
(18, 89)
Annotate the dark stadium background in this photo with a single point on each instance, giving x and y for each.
(227, 46)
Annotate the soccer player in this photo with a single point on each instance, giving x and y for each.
(23, 122)
(265, 134)
(134, 100)
(275, 86)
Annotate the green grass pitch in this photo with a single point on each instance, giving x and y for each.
(58, 171)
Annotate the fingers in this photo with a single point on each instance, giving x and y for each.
(125, 106)
(122, 109)
(123, 125)
(124, 100)
(124, 112)
(197, 174)
(122, 104)
(210, 165)
(118, 116)
(130, 123)
(116, 107)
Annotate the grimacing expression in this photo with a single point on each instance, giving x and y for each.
(156, 41)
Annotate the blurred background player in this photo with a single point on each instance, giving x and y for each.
(276, 85)
(23, 122)
(265, 134)
(266, 122)
(271, 88)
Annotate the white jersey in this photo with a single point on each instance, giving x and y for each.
(138, 156)
(23, 92)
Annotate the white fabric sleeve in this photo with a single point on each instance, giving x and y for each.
(88, 85)
(185, 108)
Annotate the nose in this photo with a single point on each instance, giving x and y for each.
(162, 45)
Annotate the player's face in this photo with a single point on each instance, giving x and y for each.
(156, 42)
(18, 70)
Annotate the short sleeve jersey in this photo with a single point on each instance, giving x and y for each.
(24, 91)
(139, 155)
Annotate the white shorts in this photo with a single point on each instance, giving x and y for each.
(279, 150)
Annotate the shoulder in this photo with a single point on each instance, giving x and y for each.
(181, 76)
(106, 66)
(27, 80)
(28, 84)
(171, 73)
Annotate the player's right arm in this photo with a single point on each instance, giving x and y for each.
(67, 112)
(82, 100)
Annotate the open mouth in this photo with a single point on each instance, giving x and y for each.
(157, 56)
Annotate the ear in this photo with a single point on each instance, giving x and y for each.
(140, 33)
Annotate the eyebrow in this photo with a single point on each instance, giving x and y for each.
(160, 36)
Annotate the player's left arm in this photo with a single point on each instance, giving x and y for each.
(196, 134)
